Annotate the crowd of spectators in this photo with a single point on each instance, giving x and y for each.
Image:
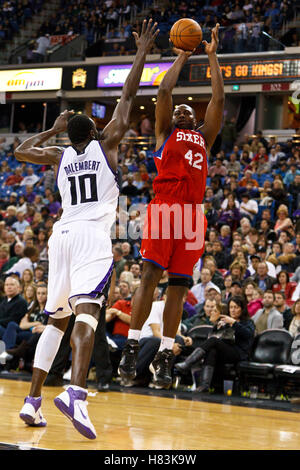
(252, 247)
(94, 20)
(241, 22)
(14, 15)
(245, 25)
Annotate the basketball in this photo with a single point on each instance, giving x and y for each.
(186, 34)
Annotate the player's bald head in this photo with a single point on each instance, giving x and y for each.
(184, 117)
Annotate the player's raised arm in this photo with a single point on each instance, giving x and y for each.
(214, 113)
(31, 151)
(164, 103)
(116, 128)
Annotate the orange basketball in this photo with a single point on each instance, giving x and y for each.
(186, 34)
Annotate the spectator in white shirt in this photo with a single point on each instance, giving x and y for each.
(296, 293)
(42, 45)
(248, 207)
(256, 259)
(31, 179)
(199, 289)
(273, 157)
(28, 261)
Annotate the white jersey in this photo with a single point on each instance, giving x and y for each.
(88, 186)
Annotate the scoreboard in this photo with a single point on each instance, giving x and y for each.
(247, 71)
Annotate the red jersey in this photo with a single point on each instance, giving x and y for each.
(120, 327)
(181, 163)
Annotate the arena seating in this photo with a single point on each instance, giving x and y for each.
(270, 349)
(272, 365)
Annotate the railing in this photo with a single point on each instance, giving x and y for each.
(231, 42)
(17, 55)
(73, 50)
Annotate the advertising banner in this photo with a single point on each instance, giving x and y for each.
(31, 79)
(115, 75)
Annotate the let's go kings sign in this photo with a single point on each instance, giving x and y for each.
(115, 75)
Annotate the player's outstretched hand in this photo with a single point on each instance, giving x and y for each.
(147, 37)
(211, 47)
(61, 123)
(182, 52)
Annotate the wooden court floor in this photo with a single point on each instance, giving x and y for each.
(127, 421)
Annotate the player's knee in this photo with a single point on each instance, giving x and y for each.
(85, 306)
(87, 319)
(59, 323)
(151, 275)
(88, 313)
(183, 282)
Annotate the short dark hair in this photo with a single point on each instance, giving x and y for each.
(30, 251)
(79, 128)
(269, 291)
(39, 267)
(118, 250)
(280, 293)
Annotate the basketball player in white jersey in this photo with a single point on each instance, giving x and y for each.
(80, 251)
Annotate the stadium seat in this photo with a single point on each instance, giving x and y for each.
(150, 165)
(263, 178)
(257, 217)
(227, 371)
(288, 375)
(290, 203)
(270, 349)
(199, 334)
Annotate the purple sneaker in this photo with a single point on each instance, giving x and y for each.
(73, 404)
(31, 412)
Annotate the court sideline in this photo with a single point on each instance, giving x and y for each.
(131, 421)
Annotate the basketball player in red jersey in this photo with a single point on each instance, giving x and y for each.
(175, 225)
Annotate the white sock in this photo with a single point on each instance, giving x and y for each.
(47, 348)
(134, 334)
(166, 343)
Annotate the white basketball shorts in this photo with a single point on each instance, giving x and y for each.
(80, 266)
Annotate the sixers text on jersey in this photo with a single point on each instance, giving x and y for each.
(182, 167)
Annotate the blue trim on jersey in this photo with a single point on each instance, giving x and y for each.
(197, 130)
(52, 313)
(180, 274)
(115, 173)
(99, 289)
(158, 153)
(59, 166)
(154, 262)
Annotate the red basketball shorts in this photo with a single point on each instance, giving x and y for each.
(173, 235)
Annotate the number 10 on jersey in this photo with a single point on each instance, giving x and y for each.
(85, 186)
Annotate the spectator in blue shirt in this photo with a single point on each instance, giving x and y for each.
(290, 175)
(21, 223)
